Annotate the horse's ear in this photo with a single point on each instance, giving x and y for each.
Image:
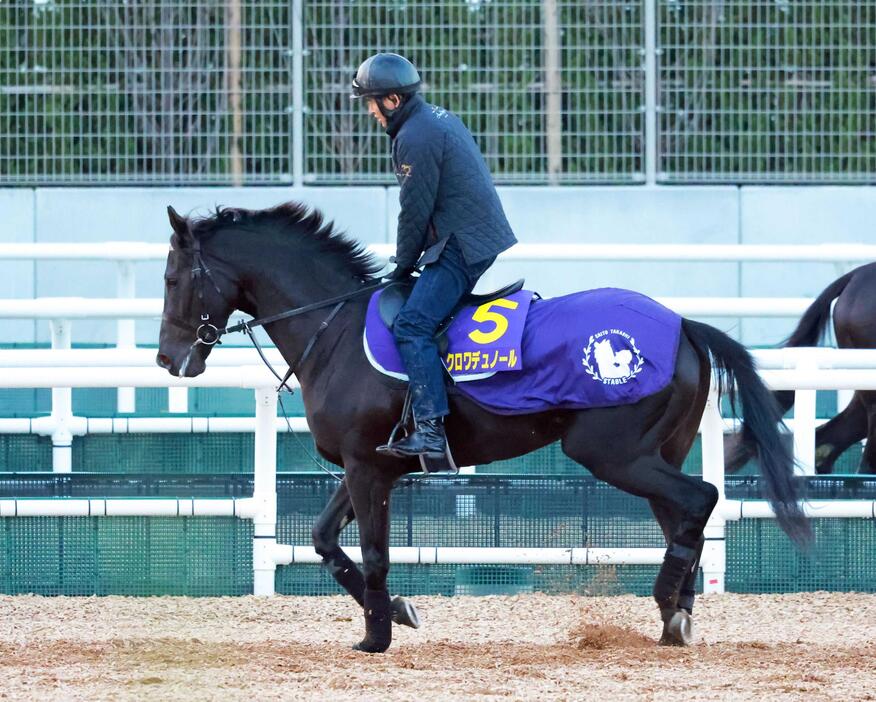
(180, 224)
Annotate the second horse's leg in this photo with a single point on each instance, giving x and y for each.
(839, 433)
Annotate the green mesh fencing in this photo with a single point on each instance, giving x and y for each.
(212, 556)
(760, 558)
(126, 556)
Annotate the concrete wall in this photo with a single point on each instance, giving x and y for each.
(17, 279)
(695, 215)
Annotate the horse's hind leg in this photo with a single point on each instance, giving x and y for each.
(338, 513)
(674, 451)
(843, 430)
(868, 460)
(668, 523)
(686, 503)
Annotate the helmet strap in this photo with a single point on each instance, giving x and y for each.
(387, 114)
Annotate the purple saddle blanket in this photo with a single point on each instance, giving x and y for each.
(597, 348)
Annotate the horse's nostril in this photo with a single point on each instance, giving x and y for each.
(163, 361)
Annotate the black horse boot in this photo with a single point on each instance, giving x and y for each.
(378, 622)
(428, 439)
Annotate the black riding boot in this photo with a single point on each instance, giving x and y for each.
(427, 440)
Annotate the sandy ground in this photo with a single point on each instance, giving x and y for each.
(814, 646)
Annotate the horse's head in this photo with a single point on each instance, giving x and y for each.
(200, 293)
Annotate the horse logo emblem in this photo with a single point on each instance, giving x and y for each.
(613, 367)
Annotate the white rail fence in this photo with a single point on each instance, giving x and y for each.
(125, 308)
(802, 370)
(813, 366)
(127, 367)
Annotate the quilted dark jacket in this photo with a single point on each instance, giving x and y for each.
(446, 188)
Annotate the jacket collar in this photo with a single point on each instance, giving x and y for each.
(401, 115)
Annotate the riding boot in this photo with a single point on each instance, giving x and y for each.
(428, 439)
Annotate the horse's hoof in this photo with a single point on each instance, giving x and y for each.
(678, 631)
(404, 612)
(367, 646)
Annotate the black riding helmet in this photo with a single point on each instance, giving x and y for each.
(383, 74)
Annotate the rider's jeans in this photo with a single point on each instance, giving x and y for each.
(440, 286)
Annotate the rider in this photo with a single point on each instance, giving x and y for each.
(450, 213)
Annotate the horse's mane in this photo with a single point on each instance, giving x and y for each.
(296, 219)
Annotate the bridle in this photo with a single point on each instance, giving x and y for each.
(208, 334)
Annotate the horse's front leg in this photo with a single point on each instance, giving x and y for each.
(369, 492)
(338, 513)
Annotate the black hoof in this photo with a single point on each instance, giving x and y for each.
(378, 622)
(678, 630)
(368, 646)
(404, 613)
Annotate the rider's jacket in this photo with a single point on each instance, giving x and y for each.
(446, 188)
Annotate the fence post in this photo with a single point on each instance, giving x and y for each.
(553, 87)
(264, 493)
(297, 93)
(714, 558)
(804, 418)
(126, 337)
(62, 406)
(650, 68)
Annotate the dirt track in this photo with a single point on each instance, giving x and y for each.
(778, 647)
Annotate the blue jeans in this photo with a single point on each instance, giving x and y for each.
(437, 291)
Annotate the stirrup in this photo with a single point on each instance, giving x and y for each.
(428, 465)
(400, 426)
(439, 465)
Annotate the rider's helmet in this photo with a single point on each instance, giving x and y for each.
(383, 74)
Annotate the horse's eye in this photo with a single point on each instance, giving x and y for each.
(170, 282)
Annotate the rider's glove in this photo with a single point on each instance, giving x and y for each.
(399, 273)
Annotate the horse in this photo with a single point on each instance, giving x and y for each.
(854, 323)
(286, 265)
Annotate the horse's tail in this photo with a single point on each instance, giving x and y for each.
(814, 320)
(761, 419)
(810, 329)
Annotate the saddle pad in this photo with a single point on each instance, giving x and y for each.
(598, 348)
(481, 340)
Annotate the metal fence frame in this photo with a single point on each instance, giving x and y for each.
(646, 108)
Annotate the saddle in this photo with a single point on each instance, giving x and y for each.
(394, 296)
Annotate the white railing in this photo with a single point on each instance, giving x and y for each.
(803, 370)
(813, 368)
(125, 309)
(59, 311)
(57, 308)
(845, 369)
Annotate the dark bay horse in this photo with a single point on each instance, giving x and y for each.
(854, 324)
(270, 261)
